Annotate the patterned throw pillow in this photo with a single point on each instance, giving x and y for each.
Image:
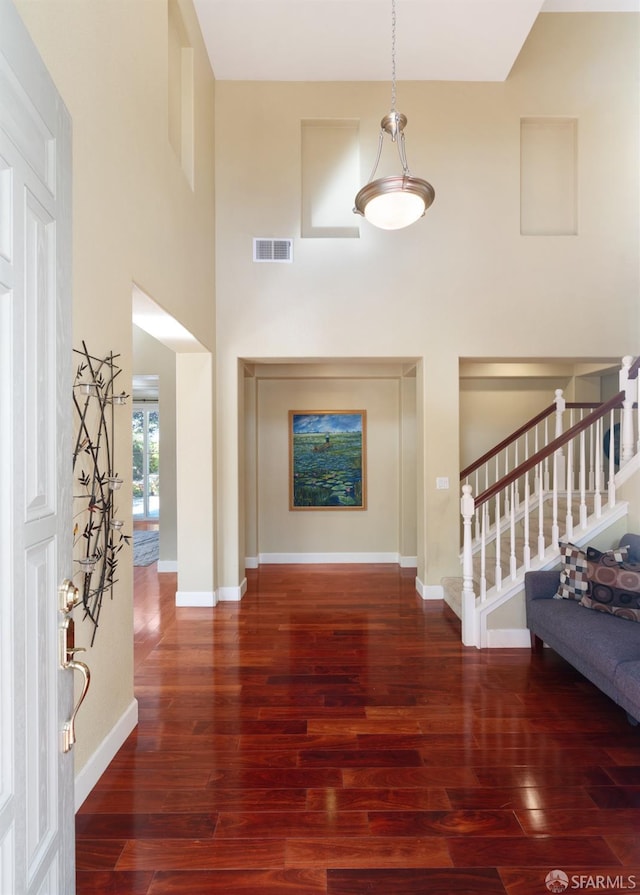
(614, 585)
(573, 574)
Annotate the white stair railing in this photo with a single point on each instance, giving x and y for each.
(568, 478)
(497, 462)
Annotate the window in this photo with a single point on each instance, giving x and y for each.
(146, 461)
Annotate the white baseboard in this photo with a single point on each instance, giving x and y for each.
(429, 591)
(87, 778)
(232, 594)
(167, 565)
(327, 558)
(408, 562)
(405, 562)
(508, 638)
(202, 598)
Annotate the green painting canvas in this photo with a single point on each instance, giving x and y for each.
(327, 457)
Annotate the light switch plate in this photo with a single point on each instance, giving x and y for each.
(442, 483)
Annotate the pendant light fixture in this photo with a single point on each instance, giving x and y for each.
(394, 202)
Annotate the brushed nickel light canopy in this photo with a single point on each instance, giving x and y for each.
(398, 200)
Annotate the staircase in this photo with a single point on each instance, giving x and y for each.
(536, 489)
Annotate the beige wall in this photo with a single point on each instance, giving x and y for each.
(498, 398)
(375, 534)
(491, 409)
(135, 219)
(462, 282)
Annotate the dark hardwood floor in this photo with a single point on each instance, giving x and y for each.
(329, 735)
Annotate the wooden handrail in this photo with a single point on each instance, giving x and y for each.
(551, 448)
(507, 441)
(633, 369)
(570, 405)
(580, 405)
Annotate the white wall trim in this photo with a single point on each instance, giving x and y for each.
(232, 594)
(629, 469)
(405, 562)
(429, 591)
(89, 775)
(320, 558)
(202, 598)
(167, 565)
(408, 562)
(508, 638)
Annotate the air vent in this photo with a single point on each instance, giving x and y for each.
(273, 250)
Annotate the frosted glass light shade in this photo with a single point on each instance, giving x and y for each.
(392, 203)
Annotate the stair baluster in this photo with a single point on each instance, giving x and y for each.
(498, 567)
(483, 553)
(597, 495)
(513, 564)
(526, 550)
(546, 486)
(477, 518)
(561, 404)
(555, 528)
(568, 521)
(541, 539)
(611, 484)
(583, 477)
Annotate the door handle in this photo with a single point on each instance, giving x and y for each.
(69, 728)
(69, 598)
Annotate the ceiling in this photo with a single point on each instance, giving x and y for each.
(350, 40)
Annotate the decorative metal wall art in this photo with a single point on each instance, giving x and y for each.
(98, 535)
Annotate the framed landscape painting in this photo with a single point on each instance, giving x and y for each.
(327, 460)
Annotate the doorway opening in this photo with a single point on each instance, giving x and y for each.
(172, 400)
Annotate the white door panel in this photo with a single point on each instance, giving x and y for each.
(36, 777)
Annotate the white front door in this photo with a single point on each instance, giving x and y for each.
(36, 776)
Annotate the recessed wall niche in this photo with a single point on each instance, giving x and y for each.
(330, 177)
(548, 177)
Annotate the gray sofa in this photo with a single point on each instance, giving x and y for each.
(603, 648)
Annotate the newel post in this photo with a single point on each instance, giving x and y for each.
(630, 389)
(559, 466)
(469, 625)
